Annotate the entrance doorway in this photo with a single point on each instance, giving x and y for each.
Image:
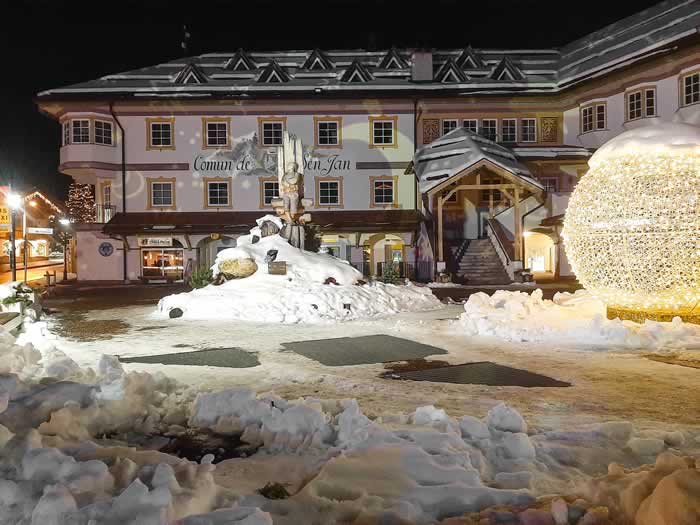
(163, 264)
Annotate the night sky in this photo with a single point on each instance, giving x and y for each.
(51, 43)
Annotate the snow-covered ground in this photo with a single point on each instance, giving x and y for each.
(340, 466)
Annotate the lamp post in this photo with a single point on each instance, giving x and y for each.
(14, 202)
(65, 222)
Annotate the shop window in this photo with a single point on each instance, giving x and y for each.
(81, 132)
(509, 130)
(216, 132)
(103, 132)
(160, 134)
(489, 128)
(690, 89)
(528, 130)
(471, 124)
(448, 125)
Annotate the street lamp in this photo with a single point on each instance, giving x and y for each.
(14, 201)
(65, 223)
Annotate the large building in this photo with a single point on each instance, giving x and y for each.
(423, 159)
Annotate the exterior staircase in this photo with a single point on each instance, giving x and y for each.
(480, 264)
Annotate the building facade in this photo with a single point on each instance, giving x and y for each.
(410, 155)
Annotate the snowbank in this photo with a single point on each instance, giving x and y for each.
(300, 296)
(569, 318)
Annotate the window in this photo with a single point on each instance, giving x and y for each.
(650, 102)
(328, 192)
(272, 132)
(634, 105)
(216, 133)
(509, 130)
(218, 193)
(270, 191)
(160, 135)
(81, 132)
(107, 195)
(488, 129)
(103, 132)
(382, 192)
(448, 125)
(471, 125)
(550, 184)
(691, 89)
(162, 194)
(66, 133)
(528, 130)
(382, 131)
(328, 131)
(593, 117)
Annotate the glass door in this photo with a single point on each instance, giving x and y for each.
(163, 263)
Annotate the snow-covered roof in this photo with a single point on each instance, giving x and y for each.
(454, 71)
(460, 150)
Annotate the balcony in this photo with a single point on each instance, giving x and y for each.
(104, 212)
(86, 162)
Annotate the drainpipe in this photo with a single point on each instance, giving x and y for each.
(123, 146)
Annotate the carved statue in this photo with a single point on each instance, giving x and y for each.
(291, 202)
(291, 186)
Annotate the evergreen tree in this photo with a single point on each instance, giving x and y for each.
(81, 203)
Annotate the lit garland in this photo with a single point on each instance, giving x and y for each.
(632, 226)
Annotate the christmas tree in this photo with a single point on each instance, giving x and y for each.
(81, 203)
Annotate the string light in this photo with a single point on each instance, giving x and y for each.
(632, 226)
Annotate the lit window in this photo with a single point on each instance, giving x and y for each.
(471, 125)
(328, 133)
(81, 132)
(383, 191)
(217, 134)
(489, 128)
(634, 105)
(103, 132)
(66, 133)
(272, 133)
(691, 89)
(217, 193)
(161, 135)
(161, 193)
(650, 102)
(328, 192)
(528, 130)
(383, 132)
(509, 130)
(448, 125)
(271, 190)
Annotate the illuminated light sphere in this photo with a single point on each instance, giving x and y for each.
(632, 226)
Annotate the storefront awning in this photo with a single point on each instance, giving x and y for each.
(242, 221)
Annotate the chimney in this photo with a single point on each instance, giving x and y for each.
(422, 66)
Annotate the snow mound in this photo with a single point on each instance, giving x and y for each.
(569, 318)
(300, 296)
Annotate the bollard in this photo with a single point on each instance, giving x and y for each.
(48, 279)
(54, 278)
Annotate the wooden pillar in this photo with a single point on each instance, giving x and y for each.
(490, 204)
(440, 249)
(516, 230)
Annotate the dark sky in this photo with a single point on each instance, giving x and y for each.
(52, 43)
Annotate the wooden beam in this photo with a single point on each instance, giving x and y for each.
(516, 230)
(440, 254)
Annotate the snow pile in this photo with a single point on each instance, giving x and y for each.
(568, 318)
(300, 296)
